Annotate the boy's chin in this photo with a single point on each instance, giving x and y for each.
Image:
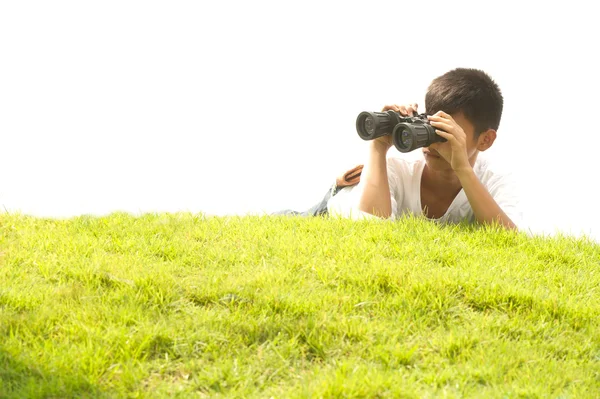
(436, 162)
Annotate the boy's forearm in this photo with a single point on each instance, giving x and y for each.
(484, 206)
(375, 197)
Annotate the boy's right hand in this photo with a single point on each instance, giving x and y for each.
(385, 142)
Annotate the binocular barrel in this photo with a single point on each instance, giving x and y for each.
(408, 133)
(371, 125)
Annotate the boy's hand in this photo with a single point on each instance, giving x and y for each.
(404, 110)
(456, 153)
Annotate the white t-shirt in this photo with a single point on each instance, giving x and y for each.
(404, 178)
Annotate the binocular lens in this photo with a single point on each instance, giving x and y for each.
(369, 125)
(406, 139)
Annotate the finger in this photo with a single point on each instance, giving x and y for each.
(445, 135)
(403, 110)
(436, 117)
(410, 110)
(441, 125)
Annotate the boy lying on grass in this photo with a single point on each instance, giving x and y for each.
(450, 183)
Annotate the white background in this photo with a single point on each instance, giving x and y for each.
(238, 107)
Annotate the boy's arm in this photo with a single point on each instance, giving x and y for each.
(375, 197)
(485, 208)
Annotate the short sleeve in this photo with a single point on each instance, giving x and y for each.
(505, 192)
(346, 202)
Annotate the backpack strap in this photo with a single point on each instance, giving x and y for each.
(350, 177)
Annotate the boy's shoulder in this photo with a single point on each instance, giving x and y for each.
(487, 169)
(500, 181)
(405, 166)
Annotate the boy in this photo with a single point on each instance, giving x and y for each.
(450, 183)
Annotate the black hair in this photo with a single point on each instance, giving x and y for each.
(470, 91)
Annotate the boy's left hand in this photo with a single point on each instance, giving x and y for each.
(456, 153)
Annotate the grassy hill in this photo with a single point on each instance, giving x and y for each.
(182, 305)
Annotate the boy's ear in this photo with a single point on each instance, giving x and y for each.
(486, 139)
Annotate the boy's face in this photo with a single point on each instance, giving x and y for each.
(438, 155)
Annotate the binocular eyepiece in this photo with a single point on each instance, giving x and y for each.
(408, 132)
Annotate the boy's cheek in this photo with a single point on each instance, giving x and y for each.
(439, 147)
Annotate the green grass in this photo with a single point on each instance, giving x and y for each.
(182, 305)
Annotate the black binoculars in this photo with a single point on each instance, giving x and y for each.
(408, 132)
